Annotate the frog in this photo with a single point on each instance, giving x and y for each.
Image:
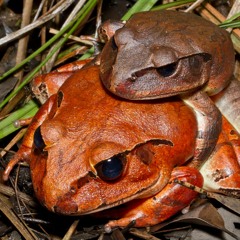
(90, 152)
(171, 53)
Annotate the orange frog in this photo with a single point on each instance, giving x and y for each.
(90, 151)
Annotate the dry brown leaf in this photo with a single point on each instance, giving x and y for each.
(229, 202)
(205, 215)
(143, 234)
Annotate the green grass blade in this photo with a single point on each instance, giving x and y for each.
(84, 11)
(172, 4)
(235, 16)
(233, 24)
(7, 125)
(139, 6)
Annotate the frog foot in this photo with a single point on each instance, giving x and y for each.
(18, 157)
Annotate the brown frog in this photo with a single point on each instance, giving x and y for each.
(160, 54)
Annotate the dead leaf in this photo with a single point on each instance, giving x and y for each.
(205, 215)
(143, 234)
(6, 87)
(229, 202)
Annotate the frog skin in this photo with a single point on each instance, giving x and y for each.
(159, 54)
(45, 85)
(81, 128)
(89, 151)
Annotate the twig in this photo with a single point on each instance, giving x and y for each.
(40, 7)
(23, 42)
(72, 37)
(5, 207)
(51, 61)
(21, 32)
(194, 5)
(44, 31)
(98, 20)
(13, 142)
(71, 230)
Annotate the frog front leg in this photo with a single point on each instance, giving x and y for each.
(173, 198)
(209, 121)
(24, 151)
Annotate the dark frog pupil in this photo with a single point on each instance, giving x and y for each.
(38, 140)
(168, 70)
(111, 168)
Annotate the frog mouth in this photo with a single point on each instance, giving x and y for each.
(127, 91)
(93, 193)
(67, 206)
(185, 75)
(135, 87)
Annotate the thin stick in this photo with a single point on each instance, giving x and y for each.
(23, 42)
(51, 61)
(235, 9)
(194, 5)
(23, 31)
(71, 230)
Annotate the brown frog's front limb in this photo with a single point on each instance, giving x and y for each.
(209, 125)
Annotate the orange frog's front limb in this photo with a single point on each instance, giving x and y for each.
(44, 87)
(24, 152)
(169, 201)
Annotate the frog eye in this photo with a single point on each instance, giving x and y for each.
(168, 70)
(113, 44)
(112, 168)
(59, 98)
(38, 140)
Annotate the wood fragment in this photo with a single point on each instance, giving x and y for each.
(23, 42)
(9, 191)
(71, 230)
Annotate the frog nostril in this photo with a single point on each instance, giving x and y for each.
(139, 73)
